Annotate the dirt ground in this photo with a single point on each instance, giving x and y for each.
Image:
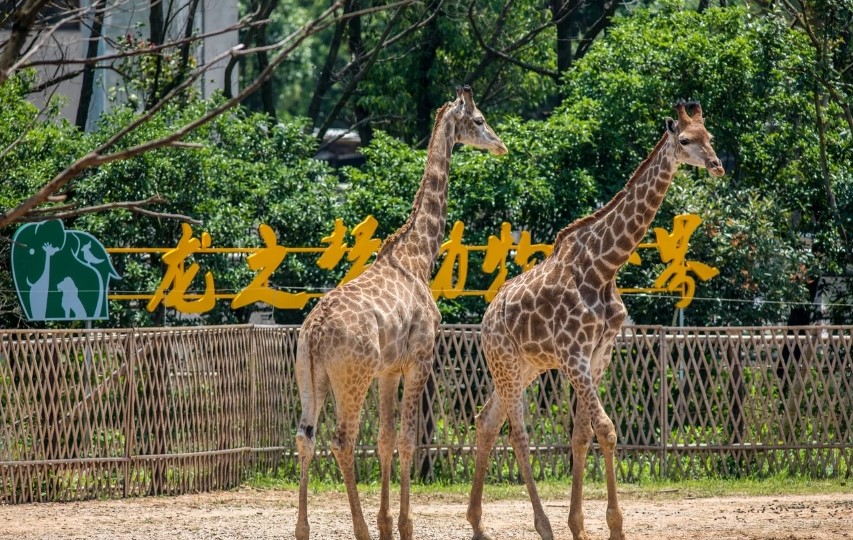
(266, 514)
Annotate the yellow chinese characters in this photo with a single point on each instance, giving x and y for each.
(177, 279)
(361, 251)
(673, 251)
(265, 262)
(456, 257)
(449, 282)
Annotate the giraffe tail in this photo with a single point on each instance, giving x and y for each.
(306, 379)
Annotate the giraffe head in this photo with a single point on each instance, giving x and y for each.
(691, 140)
(471, 127)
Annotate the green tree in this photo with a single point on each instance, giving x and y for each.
(244, 173)
(750, 75)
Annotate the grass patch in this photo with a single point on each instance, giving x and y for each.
(555, 490)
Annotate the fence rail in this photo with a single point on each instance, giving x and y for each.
(118, 413)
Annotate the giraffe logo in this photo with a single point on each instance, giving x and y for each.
(59, 274)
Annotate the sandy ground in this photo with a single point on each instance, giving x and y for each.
(253, 514)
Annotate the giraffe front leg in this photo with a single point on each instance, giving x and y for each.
(489, 422)
(387, 442)
(605, 432)
(581, 438)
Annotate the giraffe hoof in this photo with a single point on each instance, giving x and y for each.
(481, 536)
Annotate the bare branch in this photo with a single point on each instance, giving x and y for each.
(21, 23)
(140, 52)
(69, 210)
(52, 209)
(182, 144)
(492, 53)
(365, 68)
(596, 28)
(166, 215)
(67, 76)
(44, 38)
(355, 62)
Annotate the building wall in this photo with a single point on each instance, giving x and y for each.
(129, 17)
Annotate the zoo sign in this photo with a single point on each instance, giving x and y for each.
(678, 277)
(59, 274)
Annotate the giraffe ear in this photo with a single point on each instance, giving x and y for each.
(671, 125)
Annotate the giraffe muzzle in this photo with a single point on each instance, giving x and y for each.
(715, 167)
(499, 149)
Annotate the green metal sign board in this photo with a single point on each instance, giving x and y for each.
(60, 275)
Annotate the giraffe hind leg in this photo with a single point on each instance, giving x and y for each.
(349, 400)
(512, 396)
(305, 444)
(414, 382)
(488, 422)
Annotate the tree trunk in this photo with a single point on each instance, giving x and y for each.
(356, 48)
(157, 32)
(561, 12)
(424, 106)
(88, 83)
(825, 176)
(324, 81)
(267, 98)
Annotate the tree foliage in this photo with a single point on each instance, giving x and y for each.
(773, 82)
(751, 74)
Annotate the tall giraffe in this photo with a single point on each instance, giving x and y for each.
(565, 313)
(383, 325)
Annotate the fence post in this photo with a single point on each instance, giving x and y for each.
(249, 459)
(664, 398)
(130, 410)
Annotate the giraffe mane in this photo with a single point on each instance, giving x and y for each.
(599, 213)
(416, 205)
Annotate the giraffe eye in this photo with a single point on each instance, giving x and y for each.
(684, 142)
(478, 121)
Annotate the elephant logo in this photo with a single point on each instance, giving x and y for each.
(60, 274)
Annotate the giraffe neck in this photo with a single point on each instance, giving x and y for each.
(416, 244)
(612, 233)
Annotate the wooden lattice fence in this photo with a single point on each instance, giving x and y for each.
(117, 413)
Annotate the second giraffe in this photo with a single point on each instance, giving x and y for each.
(565, 313)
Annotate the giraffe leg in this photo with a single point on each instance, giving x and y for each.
(512, 398)
(348, 403)
(488, 422)
(387, 442)
(605, 433)
(413, 386)
(313, 397)
(581, 438)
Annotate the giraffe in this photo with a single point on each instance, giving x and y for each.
(383, 325)
(565, 313)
